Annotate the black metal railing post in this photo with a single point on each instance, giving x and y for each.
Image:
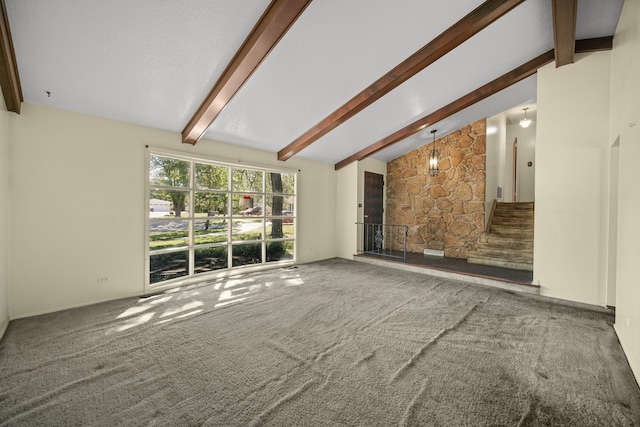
(382, 240)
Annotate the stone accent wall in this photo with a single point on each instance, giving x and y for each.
(444, 212)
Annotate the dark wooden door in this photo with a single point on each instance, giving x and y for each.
(373, 207)
(373, 198)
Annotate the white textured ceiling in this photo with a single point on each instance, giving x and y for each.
(152, 62)
(149, 62)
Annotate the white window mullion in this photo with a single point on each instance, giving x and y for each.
(187, 246)
(264, 217)
(192, 218)
(229, 215)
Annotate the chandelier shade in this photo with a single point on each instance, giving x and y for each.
(434, 168)
(525, 122)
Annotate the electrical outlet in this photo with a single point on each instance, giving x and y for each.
(627, 320)
(104, 279)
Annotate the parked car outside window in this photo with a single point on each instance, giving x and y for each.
(256, 210)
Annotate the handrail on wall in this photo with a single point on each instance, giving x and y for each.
(493, 209)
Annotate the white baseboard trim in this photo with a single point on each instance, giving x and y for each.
(194, 281)
(634, 369)
(69, 307)
(573, 303)
(3, 327)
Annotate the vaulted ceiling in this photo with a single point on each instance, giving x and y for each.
(329, 80)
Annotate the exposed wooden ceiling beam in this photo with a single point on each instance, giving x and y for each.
(454, 36)
(517, 74)
(564, 30)
(493, 87)
(594, 45)
(272, 26)
(9, 77)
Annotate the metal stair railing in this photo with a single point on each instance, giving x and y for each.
(384, 240)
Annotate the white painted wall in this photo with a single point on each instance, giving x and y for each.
(4, 217)
(500, 161)
(63, 235)
(507, 169)
(612, 216)
(496, 134)
(346, 210)
(525, 175)
(625, 125)
(503, 175)
(570, 183)
(349, 195)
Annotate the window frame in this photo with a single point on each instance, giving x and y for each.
(230, 217)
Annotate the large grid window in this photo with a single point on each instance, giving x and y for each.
(207, 216)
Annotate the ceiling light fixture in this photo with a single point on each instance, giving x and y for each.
(525, 122)
(433, 157)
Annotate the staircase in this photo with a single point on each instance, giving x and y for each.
(508, 241)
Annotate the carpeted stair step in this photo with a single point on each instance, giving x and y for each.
(511, 232)
(507, 220)
(509, 240)
(512, 212)
(525, 255)
(508, 246)
(506, 242)
(516, 226)
(515, 215)
(528, 206)
(476, 258)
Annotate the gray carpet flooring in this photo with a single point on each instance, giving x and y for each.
(333, 343)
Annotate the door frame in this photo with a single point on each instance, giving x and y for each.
(368, 231)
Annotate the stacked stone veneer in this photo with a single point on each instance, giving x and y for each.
(446, 211)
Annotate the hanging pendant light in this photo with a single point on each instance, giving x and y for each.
(525, 122)
(433, 158)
